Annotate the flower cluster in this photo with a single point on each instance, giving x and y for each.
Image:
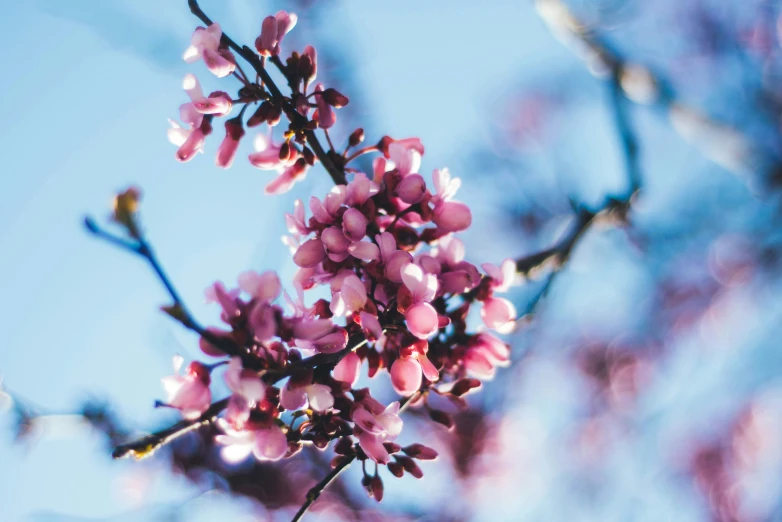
(382, 249)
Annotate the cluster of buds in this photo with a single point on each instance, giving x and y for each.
(382, 246)
(309, 107)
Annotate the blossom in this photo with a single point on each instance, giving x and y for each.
(325, 116)
(205, 44)
(347, 370)
(376, 426)
(273, 29)
(294, 397)
(499, 314)
(484, 353)
(406, 371)
(189, 393)
(502, 276)
(234, 131)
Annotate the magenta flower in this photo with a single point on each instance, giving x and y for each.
(325, 116)
(226, 152)
(205, 44)
(502, 276)
(273, 29)
(295, 397)
(499, 314)
(348, 294)
(376, 425)
(270, 443)
(189, 393)
(348, 369)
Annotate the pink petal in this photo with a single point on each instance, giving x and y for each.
(319, 211)
(358, 190)
(332, 342)
(430, 372)
(422, 320)
(498, 314)
(373, 447)
(326, 115)
(387, 245)
(354, 224)
(270, 444)
(267, 41)
(396, 263)
(219, 105)
(371, 326)
(422, 286)
(364, 250)
(217, 63)
(411, 189)
(310, 253)
(478, 365)
(292, 399)
(348, 369)
(263, 322)
(334, 240)
(313, 329)
(452, 216)
(320, 397)
(406, 375)
(354, 293)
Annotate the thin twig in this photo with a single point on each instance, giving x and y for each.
(317, 489)
(146, 446)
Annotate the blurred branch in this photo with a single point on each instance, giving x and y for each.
(141, 247)
(146, 446)
(317, 489)
(337, 174)
(719, 142)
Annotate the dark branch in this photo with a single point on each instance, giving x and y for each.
(317, 489)
(337, 174)
(146, 446)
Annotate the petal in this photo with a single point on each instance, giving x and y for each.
(422, 320)
(411, 189)
(310, 253)
(498, 314)
(354, 224)
(387, 245)
(334, 240)
(313, 329)
(332, 342)
(396, 263)
(373, 447)
(452, 216)
(270, 444)
(406, 375)
(364, 250)
(371, 326)
(292, 399)
(348, 369)
(320, 397)
(319, 211)
(429, 369)
(192, 87)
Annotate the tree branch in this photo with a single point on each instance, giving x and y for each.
(146, 446)
(337, 174)
(317, 489)
(717, 141)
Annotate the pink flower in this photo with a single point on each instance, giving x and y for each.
(348, 369)
(348, 294)
(502, 276)
(499, 314)
(205, 44)
(411, 189)
(318, 396)
(326, 117)
(244, 383)
(310, 253)
(309, 52)
(270, 443)
(267, 155)
(422, 320)
(406, 372)
(217, 103)
(285, 181)
(484, 353)
(189, 393)
(452, 216)
(226, 152)
(360, 189)
(422, 285)
(406, 156)
(370, 325)
(376, 425)
(273, 29)
(297, 222)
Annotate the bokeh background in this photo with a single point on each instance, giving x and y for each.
(646, 385)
